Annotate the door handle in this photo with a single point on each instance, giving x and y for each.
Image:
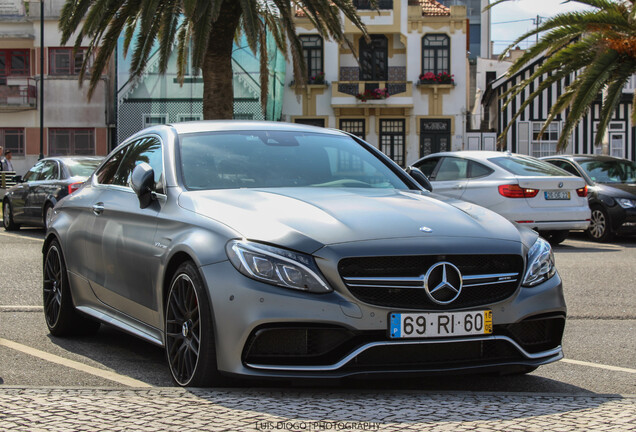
(98, 208)
(458, 186)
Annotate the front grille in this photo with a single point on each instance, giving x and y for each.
(397, 281)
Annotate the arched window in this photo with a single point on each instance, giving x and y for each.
(435, 53)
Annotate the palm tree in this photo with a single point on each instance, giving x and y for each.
(594, 46)
(202, 30)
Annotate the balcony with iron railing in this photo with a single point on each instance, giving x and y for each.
(17, 93)
(372, 92)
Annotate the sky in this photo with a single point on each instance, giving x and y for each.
(522, 12)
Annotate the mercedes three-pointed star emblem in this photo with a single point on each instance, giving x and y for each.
(443, 283)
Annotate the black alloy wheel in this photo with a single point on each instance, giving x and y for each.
(190, 348)
(7, 217)
(61, 317)
(600, 229)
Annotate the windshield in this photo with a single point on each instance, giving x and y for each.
(610, 171)
(525, 166)
(83, 167)
(266, 159)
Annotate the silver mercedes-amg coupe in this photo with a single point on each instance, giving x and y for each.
(261, 249)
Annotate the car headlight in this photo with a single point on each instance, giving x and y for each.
(626, 203)
(541, 265)
(276, 266)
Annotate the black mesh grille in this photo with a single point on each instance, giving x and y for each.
(414, 266)
(436, 355)
(536, 334)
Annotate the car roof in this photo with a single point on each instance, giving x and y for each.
(246, 125)
(580, 157)
(477, 154)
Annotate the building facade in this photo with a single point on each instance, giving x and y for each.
(155, 98)
(72, 124)
(408, 93)
(523, 136)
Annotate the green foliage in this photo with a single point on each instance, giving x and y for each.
(185, 25)
(596, 47)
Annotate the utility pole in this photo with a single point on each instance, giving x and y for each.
(41, 79)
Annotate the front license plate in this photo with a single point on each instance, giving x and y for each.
(439, 324)
(557, 195)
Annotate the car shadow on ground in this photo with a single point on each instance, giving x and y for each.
(128, 356)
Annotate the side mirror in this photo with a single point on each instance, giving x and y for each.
(142, 181)
(420, 178)
(17, 179)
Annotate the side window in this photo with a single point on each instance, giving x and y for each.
(427, 166)
(106, 173)
(452, 168)
(145, 150)
(34, 172)
(566, 166)
(49, 171)
(478, 170)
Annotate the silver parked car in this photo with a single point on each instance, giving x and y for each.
(521, 188)
(262, 249)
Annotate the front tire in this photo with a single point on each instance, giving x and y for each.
(189, 327)
(7, 217)
(61, 317)
(600, 229)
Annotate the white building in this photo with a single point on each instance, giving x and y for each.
(72, 124)
(408, 39)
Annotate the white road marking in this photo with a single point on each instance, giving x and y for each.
(6, 234)
(600, 366)
(20, 308)
(111, 376)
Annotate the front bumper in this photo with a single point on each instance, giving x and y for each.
(243, 309)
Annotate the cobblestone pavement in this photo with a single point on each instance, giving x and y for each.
(172, 409)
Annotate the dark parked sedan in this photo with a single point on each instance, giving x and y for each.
(30, 201)
(611, 192)
(263, 249)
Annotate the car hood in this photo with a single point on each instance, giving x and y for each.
(306, 219)
(617, 190)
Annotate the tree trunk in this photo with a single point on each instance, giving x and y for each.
(218, 91)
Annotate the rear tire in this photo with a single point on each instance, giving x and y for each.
(7, 217)
(60, 315)
(555, 237)
(189, 329)
(600, 229)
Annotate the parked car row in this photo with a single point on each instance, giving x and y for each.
(552, 195)
(523, 189)
(260, 249)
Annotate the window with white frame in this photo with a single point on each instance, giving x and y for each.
(616, 136)
(544, 144)
(189, 117)
(155, 119)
